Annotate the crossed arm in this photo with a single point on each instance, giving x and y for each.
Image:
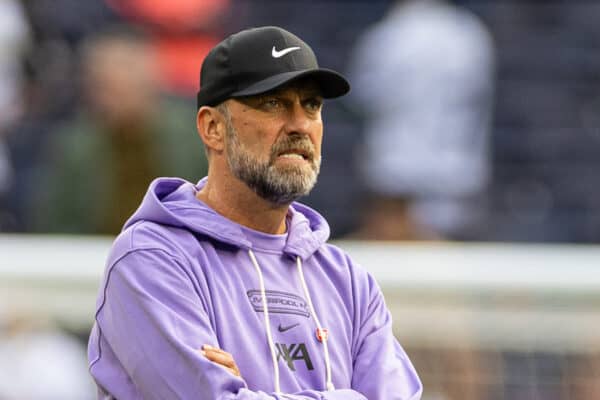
(221, 357)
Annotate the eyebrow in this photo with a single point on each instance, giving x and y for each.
(304, 93)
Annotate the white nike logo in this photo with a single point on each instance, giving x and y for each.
(281, 53)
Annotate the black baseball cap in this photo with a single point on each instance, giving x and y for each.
(257, 60)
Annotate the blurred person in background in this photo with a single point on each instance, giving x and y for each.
(49, 90)
(423, 78)
(14, 35)
(125, 134)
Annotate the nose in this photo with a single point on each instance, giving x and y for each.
(298, 120)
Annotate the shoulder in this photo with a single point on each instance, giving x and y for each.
(144, 236)
(336, 254)
(338, 259)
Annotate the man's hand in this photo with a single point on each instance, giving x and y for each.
(220, 357)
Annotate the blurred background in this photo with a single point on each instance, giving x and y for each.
(461, 170)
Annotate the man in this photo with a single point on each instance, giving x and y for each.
(226, 289)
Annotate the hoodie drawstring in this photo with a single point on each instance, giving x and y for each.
(323, 339)
(263, 294)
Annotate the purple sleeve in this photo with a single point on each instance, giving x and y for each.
(382, 370)
(154, 321)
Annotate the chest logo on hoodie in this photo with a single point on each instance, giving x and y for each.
(294, 352)
(279, 302)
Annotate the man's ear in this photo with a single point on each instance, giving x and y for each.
(210, 124)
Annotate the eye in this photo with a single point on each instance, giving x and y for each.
(313, 104)
(271, 103)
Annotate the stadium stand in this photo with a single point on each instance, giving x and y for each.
(546, 131)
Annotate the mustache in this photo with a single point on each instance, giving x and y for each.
(298, 143)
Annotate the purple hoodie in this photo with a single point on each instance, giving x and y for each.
(180, 276)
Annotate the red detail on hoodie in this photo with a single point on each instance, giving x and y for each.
(322, 334)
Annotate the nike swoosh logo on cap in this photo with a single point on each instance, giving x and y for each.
(286, 328)
(280, 53)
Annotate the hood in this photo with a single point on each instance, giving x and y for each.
(173, 202)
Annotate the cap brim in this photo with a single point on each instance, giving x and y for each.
(331, 83)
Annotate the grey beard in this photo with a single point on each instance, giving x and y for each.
(277, 185)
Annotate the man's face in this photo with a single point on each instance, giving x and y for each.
(273, 141)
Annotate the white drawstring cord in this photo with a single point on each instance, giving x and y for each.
(328, 383)
(267, 324)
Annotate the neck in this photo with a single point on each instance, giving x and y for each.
(234, 200)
